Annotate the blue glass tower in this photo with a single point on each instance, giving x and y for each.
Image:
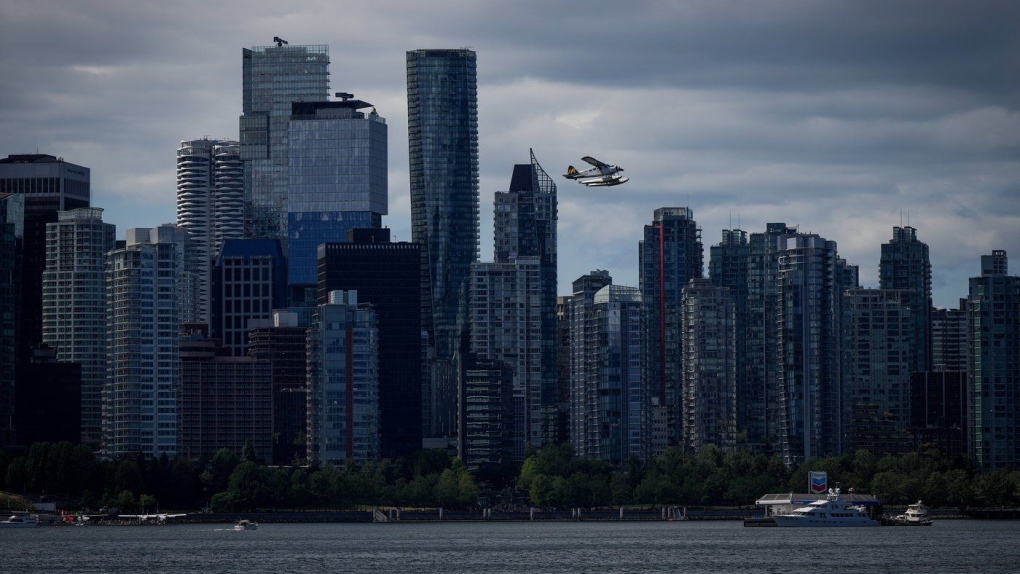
(337, 179)
(273, 77)
(442, 126)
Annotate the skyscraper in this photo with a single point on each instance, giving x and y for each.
(337, 176)
(386, 275)
(814, 407)
(149, 286)
(12, 236)
(878, 352)
(669, 256)
(442, 126)
(727, 267)
(210, 203)
(74, 305)
(282, 341)
(904, 265)
(343, 382)
(49, 185)
(993, 365)
(249, 281)
(506, 326)
(760, 389)
(584, 345)
(710, 374)
(519, 287)
(274, 77)
(619, 414)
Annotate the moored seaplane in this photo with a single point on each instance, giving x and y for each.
(159, 518)
(600, 175)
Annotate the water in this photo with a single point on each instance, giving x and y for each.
(520, 547)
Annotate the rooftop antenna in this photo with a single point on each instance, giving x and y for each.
(344, 96)
(279, 41)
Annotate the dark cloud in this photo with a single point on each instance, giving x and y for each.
(840, 117)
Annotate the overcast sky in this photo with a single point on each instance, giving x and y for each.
(843, 118)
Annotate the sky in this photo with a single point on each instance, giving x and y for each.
(842, 118)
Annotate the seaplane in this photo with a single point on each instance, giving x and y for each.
(159, 518)
(600, 175)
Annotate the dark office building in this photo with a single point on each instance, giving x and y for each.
(48, 399)
(249, 280)
(49, 184)
(12, 220)
(938, 411)
(224, 401)
(281, 341)
(387, 275)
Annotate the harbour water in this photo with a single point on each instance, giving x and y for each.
(989, 547)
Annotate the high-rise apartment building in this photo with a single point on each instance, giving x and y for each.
(343, 382)
(879, 348)
(338, 179)
(584, 345)
(150, 292)
(727, 267)
(814, 407)
(386, 275)
(442, 126)
(760, 387)
(74, 305)
(210, 203)
(506, 326)
(485, 437)
(993, 365)
(669, 256)
(709, 401)
(905, 266)
(618, 413)
(49, 185)
(949, 339)
(513, 301)
(273, 78)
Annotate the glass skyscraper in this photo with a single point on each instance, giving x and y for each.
(669, 255)
(442, 126)
(337, 175)
(905, 265)
(993, 365)
(274, 77)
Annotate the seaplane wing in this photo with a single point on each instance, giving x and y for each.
(594, 162)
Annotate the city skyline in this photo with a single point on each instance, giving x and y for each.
(843, 120)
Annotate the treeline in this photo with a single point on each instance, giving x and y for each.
(226, 482)
(550, 477)
(555, 477)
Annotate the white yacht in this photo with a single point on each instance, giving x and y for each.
(19, 521)
(829, 512)
(916, 515)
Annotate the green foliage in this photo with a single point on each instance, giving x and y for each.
(550, 477)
